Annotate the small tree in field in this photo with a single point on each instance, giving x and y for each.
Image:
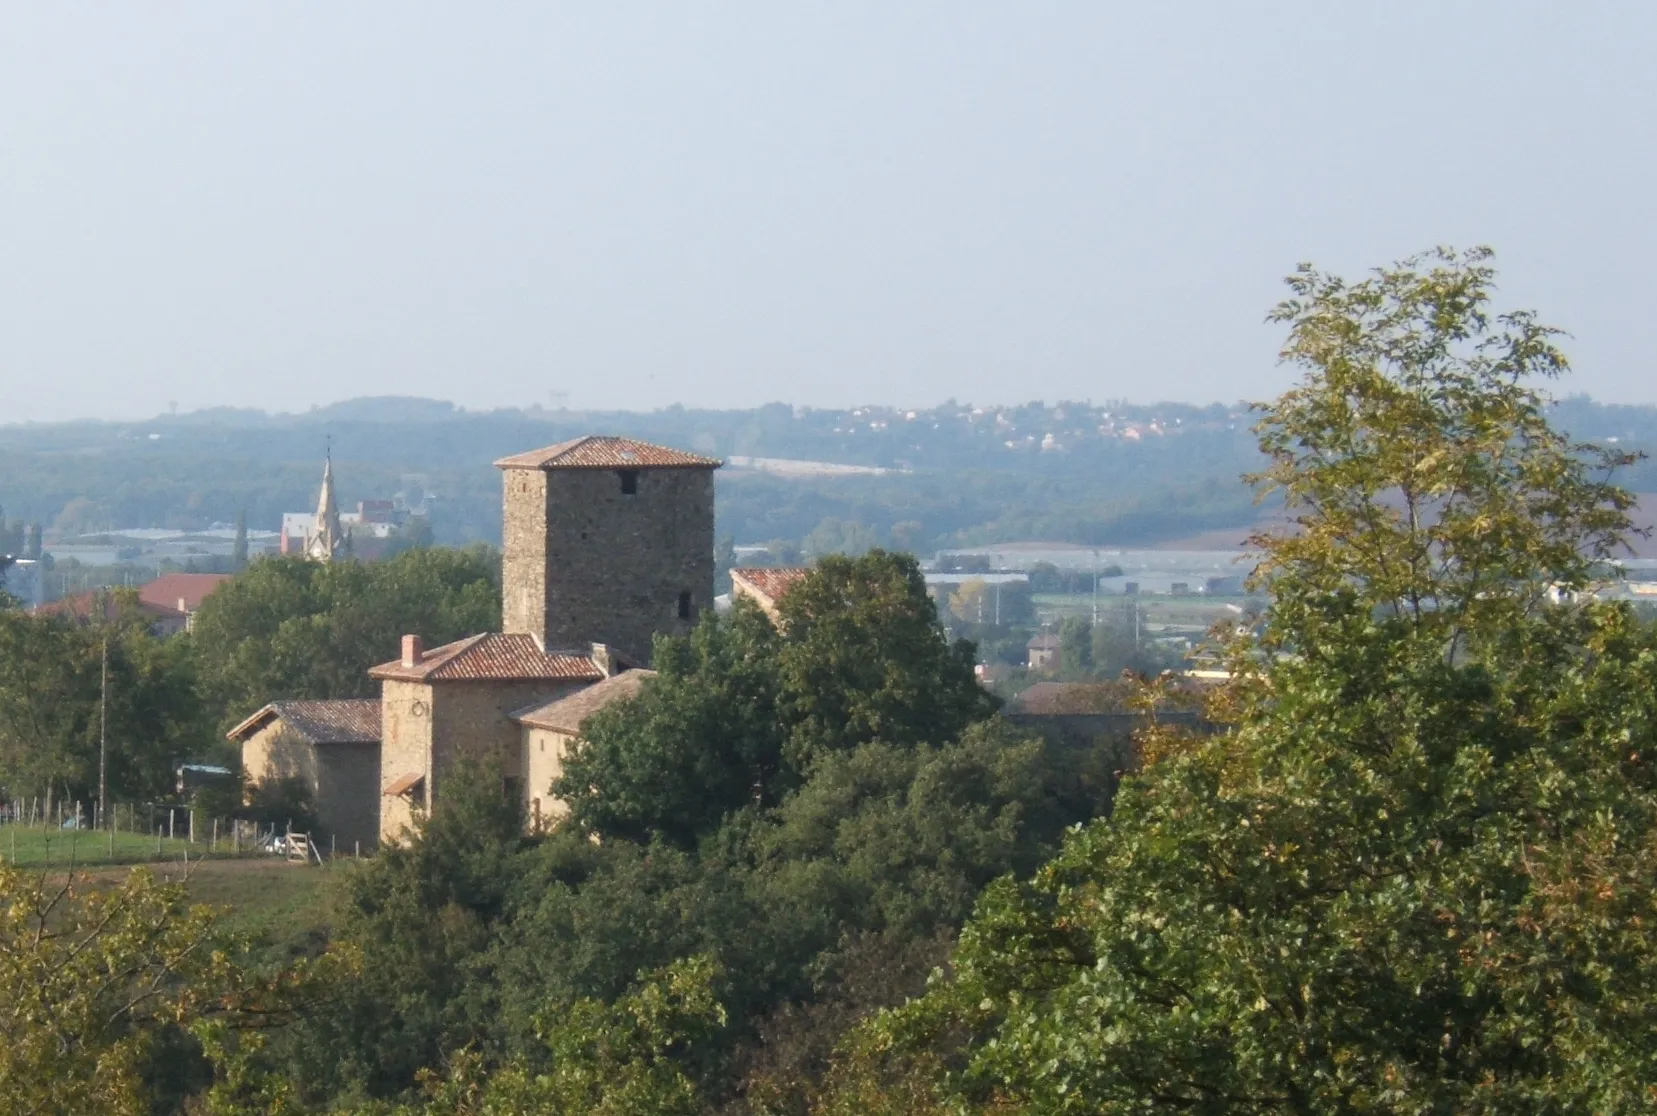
(1417, 875)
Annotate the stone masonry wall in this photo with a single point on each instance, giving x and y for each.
(524, 552)
(474, 719)
(348, 795)
(543, 761)
(612, 566)
(405, 748)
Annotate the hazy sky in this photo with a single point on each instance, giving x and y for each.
(282, 205)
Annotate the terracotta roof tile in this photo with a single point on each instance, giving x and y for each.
(192, 589)
(83, 606)
(568, 714)
(493, 657)
(772, 584)
(603, 452)
(345, 721)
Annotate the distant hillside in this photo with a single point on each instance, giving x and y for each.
(1098, 474)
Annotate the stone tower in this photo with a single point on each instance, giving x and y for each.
(606, 540)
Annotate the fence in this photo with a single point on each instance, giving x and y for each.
(37, 831)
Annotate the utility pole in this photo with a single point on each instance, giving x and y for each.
(1095, 588)
(103, 734)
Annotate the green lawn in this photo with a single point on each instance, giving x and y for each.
(32, 846)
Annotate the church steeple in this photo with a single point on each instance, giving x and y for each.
(327, 539)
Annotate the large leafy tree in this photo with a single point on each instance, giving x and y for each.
(1416, 876)
(865, 658)
(51, 673)
(703, 739)
(742, 710)
(290, 628)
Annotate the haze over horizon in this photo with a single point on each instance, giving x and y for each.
(630, 206)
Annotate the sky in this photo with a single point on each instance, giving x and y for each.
(629, 205)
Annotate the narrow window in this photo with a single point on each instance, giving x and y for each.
(629, 482)
(684, 606)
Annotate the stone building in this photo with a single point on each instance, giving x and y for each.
(606, 540)
(766, 587)
(334, 748)
(550, 729)
(457, 702)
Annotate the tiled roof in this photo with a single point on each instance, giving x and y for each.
(83, 606)
(190, 588)
(346, 721)
(772, 584)
(492, 657)
(602, 452)
(1045, 642)
(568, 714)
(1073, 698)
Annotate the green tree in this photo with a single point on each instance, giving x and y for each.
(605, 1059)
(865, 658)
(290, 628)
(94, 979)
(1413, 876)
(701, 740)
(1076, 646)
(238, 553)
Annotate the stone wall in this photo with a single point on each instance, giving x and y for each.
(276, 753)
(343, 780)
(348, 796)
(405, 748)
(586, 563)
(543, 761)
(474, 719)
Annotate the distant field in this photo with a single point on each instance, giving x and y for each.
(1196, 610)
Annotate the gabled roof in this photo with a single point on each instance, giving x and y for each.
(84, 606)
(493, 657)
(191, 588)
(1047, 641)
(345, 721)
(770, 585)
(597, 451)
(568, 714)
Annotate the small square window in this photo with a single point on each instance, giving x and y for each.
(629, 482)
(684, 606)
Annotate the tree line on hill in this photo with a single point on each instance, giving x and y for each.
(810, 870)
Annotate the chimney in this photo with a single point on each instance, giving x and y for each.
(413, 650)
(604, 657)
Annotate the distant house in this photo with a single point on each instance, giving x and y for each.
(334, 747)
(105, 604)
(182, 592)
(550, 731)
(1043, 651)
(766, 587)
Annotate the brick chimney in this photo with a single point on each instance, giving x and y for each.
(413, 650)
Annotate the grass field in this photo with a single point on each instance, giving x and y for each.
(283, 907)
(32, 846)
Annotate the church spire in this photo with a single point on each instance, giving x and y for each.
(327, 539)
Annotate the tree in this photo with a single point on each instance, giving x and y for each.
(290, 628)
(864, 658)
(701, 740)
(238, 554)
(606, 1059)
(93, 978)
(1076, 646)
(1412, 877)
